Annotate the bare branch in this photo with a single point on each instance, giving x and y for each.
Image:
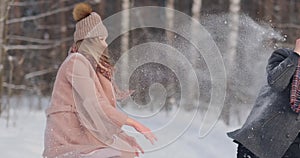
(17, 87)
(24, 4)
(34, 17)
(27, 47)
(39, 73)
(49, 27)
(288, 25)
(287, 45)
(36, 47)
(29, 39)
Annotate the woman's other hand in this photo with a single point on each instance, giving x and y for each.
(297, 47)
(132, 142)
(142, 129)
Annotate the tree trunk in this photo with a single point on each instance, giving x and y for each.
(234, 31)
(3, 17)
(196, 8)
(125, 39)
(102, 6)
(16, 29)
(63, 31)
(234, 15)
(197, 5)
(170, 39)
(268, 11)
(170, 20)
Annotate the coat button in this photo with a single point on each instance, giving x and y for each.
(287, 135)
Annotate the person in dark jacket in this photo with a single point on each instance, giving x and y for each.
(271, 130)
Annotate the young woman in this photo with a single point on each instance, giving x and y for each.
(272, 128)
(82, 120)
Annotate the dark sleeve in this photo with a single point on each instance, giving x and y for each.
(281, 67)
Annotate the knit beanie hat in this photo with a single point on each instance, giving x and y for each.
(89, 23)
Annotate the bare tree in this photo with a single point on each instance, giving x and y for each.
(234, 16)
(101, 8)
(63, 29)
(170, 20)
(125, 37)
(196, 8)
(3, 16)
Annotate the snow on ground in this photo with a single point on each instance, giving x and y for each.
(24, 137)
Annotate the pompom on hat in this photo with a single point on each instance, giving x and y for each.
(89, 23)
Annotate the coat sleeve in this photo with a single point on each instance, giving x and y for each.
(281, 68)
(95, 107)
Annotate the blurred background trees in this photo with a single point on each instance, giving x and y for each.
(35, 36)
(3, 16)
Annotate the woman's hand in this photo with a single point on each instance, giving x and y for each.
(297, 47)
(142, 129)
(146, 132)
(133, 143)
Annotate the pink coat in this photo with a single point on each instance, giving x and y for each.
(76, 125)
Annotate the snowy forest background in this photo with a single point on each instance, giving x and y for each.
(35, 36)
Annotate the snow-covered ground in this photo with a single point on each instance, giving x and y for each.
(24, 137)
